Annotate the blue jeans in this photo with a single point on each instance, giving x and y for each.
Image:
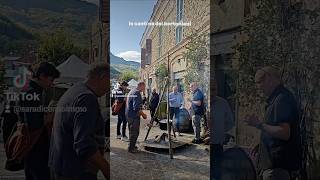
(121, 120)
(175, 111)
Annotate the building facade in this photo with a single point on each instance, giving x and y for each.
(226, 21)
(166, 44)
(100, 41)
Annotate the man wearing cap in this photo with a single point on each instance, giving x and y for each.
(279, 153)
(120, 97)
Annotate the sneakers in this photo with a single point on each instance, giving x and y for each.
(197, 141)
(118, 136)
(125, 139)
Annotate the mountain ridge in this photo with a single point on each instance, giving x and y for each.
(75, 17)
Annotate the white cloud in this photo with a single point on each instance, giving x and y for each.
(130, 56)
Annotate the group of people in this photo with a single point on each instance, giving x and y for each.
(131, 111)
(279, 151)
(70, 146)
(74, 148)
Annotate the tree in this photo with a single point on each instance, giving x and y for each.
(197, 56)
(57, 47)
(127, 75)
(286, 36)
(161, 73)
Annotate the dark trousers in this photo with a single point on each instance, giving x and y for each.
(174, 112)
(36, 162)
(152, 112)
(134, 128)
(122, 120)
(216, 153)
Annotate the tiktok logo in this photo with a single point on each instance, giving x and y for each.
(21, 80)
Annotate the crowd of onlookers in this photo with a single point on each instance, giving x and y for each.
(71, 144)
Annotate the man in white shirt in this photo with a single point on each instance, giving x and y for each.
(175, 102)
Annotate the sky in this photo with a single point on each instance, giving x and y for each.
(125, 39)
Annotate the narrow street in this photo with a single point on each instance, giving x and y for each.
(191, 162)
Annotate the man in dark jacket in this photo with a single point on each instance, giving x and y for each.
(154, 101)
(36, 162)
(78, 137)
(120, 97)
(197, 111)
(133, 113)
(280, 146)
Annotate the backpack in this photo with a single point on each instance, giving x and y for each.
(19, 144)
(116, 107)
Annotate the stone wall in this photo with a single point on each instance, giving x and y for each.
(195, 12)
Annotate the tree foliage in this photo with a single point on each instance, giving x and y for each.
(161, 73)
(58, 46)
(197, 55)
(127, 75)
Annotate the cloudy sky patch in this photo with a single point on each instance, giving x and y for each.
(130, 56)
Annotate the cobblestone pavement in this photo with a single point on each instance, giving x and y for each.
(192, 162)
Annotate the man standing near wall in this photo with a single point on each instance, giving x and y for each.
(133, 113)
(197, 111)
(280, 146)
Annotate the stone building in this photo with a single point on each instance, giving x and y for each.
(100, 40)
(166, 44)
(226, 21)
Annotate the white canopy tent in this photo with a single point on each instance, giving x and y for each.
(132, 84)
(72, 71)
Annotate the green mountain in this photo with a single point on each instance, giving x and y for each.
(114, 73)
(38, 17)
(13, 37)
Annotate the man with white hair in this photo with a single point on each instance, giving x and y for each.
(197, 111)
(280, 147)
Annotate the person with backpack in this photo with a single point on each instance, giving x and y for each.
(36, 161)
(120, 98)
